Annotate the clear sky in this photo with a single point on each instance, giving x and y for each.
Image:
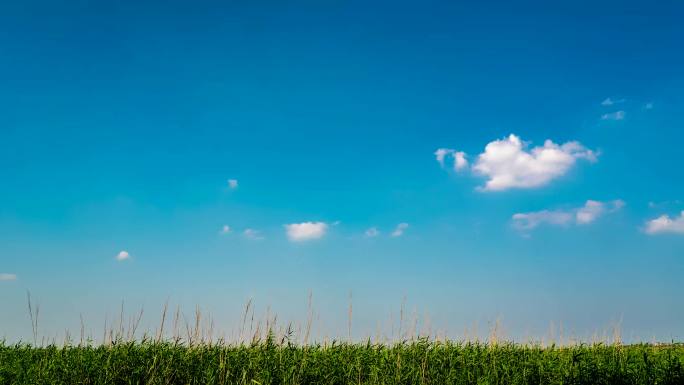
(483, 160)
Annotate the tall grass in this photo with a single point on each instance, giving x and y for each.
(185, 350)
(278, 362)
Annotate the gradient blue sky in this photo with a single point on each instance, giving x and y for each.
(122, 122)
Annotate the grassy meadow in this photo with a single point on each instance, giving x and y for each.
(278, 362)
(185, 351)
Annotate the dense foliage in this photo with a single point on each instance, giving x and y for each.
(419, 362)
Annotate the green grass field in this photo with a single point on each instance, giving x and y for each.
(278, 362)
(186, 351)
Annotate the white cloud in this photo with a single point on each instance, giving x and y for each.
(653, 205)
(617, 115)
(399, 230)
(528, 221)
(610, 102)
(509, 164)
(665, 224)
(460, 161)
(226, 229)
(123, 255)
(8, 277)
(372, 232)
(594, 209)
(648, 106)
(233, 183)
(305, 231)
(252, 234)
(584, 215)
(441, 153)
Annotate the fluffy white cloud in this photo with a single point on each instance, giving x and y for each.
(509, 164)
(665, 224)
(372, 232)
(460, 161)
(233, 183)
(399, 230)
(123, 255)
(617, 115)
(305, 231)
(226, 229)
(252, 234)
(8, 277)
(584, 215)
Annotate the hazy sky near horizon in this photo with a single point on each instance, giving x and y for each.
(483, 160)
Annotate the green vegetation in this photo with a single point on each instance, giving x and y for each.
(185, 351)
(279, 362)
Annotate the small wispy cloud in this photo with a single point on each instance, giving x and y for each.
(529, 221)
(252, 234)
(399, 230)
(305, 231)
(588, 213)
(648, 106)
(233, 184)
(592, 210)
(660, 204)
(372, 232)
(460, 161)
(666, 224)
(617, 115)
(225, 229)
(610, 102)
(441, 154)
(123, 255)
(8, 277)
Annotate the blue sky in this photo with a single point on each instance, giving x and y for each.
(122, 124)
